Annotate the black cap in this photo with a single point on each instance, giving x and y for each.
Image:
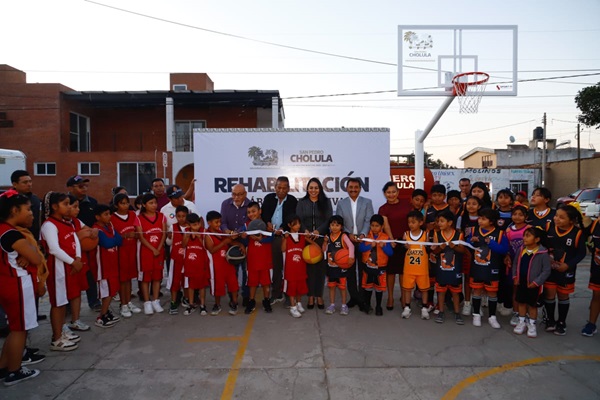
(76, 180)
(174, 192)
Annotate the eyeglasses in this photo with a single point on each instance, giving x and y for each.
(234, 194)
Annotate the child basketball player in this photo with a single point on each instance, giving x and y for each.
(336, 275)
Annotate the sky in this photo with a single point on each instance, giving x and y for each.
(88, 45)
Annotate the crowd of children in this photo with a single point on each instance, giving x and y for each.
(501, 255)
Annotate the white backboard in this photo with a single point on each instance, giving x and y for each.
(429, 56)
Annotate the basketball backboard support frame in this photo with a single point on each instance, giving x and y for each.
(429, 56)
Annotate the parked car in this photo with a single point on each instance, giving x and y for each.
(580, 195)
(589, 202)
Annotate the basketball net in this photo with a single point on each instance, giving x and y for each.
(468, 87)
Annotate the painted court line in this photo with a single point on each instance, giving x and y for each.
(457, 389)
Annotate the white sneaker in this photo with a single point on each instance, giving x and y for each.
(406, 312)
(117, 297)
(78, 326)
(300, 308)
(148, 309)
(63, 344)
(514, 320)
(520, 328)
(125, 312)
(476, 320)
(466, 308)
(493, 322)
(505, 312)
(294, 312)
(133, 308)
(531, 330)
(156, 306)
(424, 313)
(68, 334)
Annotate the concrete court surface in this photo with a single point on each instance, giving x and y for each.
(274, 356)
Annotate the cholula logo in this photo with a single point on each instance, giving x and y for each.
(418, 44)
(262, 158)
(311, 156)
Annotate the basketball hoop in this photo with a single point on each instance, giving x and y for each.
(469, 87)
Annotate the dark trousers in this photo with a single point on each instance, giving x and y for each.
(316, 278)
(92, 292)
(277, 284)
(241, 268)
(353, 277)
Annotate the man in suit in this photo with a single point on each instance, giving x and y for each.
(276, 209)
(356, 212)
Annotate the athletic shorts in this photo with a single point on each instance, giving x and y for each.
(422, 281)
(108, 287)
(17, 298)
(594, 277)
(526, 295)
(224, 276)
(567, 288)
(196, 282)
(339, 283)
(488, 286)
(128, 269)
(150, 267)
(295, 288)
(444, 288)
(175, 277)
(261, 277)
(374, 279)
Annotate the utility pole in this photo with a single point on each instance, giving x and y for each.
(544, 153)
(578, 156)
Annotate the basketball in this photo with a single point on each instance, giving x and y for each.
(312, 254)
(88, 244)
(341, 258)
(235, 255)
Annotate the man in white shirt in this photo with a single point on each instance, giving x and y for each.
(176, 199)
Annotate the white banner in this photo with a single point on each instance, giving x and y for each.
(256, 157)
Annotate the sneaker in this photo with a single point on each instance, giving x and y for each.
(21, 375)
(439, 318)
(505, 312)
(406, 312)
(378, 310)
(133, 308)
(493, 322)
(300, 308)
(233, 308)
(103, 321)
(589, 329)
(117, 297)
(330, 309)
(561, 329)
(436, 311)
(215, 310)
(425, 312)
(466, 310)
(112, 318)
(69, 335)
(459, 319)
(251, 306)
(520, 328)
(157, 307)
(32, 350)
(189, 310)
(267, 306)
(476, 320)
(78, 326)
(294, 312)
(514, 320)
(63, 344)
(30, 358)
(430, 307)
(344, 310)
(203, 311)
(531, 329)
(174, 309)
(550, 326)
(148, 309)
(185, 302)
(276, 300)
(125, 311)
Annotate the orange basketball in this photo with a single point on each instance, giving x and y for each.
(341, 258)
(312, 254)
(88, 244)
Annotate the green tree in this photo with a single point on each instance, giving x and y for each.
(588, 102)
(255, 152)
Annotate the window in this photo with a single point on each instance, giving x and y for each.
(517, 186)
(487, 162)
(179, 87)
(184, 134)
(136, 177)
(89, 168)
(80, 133)
(42, 168)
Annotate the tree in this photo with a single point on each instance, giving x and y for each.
(588, 102)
